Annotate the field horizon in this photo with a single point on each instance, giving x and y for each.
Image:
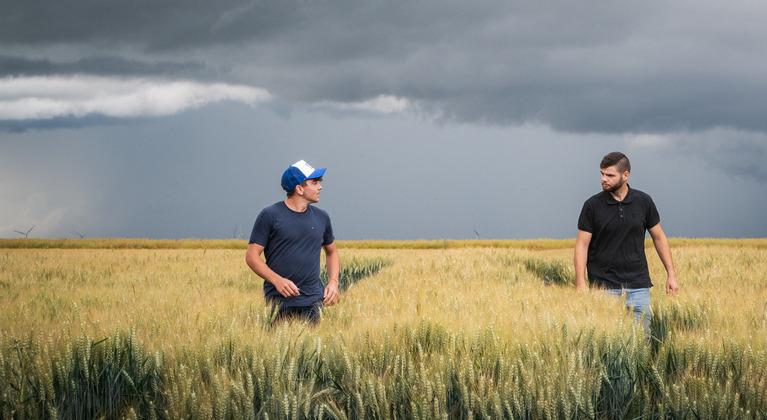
(192, 243)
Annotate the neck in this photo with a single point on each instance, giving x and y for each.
(620, 193)
(296, 203)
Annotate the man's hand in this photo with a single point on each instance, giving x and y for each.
(333, 264)
(287, 288)
(672, 286)
(582, 286)
(664, 252)
(330, 296)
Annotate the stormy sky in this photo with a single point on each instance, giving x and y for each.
(436, 119)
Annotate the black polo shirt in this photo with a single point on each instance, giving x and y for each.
(616, 257)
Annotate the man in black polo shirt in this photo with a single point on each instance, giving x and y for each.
(610, 242)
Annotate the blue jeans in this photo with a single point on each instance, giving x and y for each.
(639, 301)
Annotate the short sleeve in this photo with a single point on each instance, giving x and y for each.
(262, 229)
(652, 217)
(327, 237)
(586, 218)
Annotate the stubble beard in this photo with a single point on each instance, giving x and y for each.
(615, 187)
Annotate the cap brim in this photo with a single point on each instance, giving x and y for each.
(317, 173)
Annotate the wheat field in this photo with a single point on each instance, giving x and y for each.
(424, 329)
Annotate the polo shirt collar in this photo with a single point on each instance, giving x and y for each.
(627, 199)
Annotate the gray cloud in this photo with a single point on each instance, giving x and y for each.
(69, 122)
(102, 65)
(488, 115)
(741, 154)
(206, 171)
(611, 67)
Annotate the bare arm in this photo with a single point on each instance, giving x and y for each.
(664, 252)
(582, 242)
(253, 258)
(333, 266)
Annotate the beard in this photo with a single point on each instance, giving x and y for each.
(618, 185)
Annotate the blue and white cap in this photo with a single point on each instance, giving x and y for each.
(298, 173)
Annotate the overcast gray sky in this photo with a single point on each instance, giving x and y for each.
(435, 119)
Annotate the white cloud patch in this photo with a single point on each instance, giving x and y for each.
(384, 104)
(45, 97)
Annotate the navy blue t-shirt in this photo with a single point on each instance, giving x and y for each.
(616, 257)
(292, 244)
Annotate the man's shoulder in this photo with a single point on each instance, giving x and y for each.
(597, 198)
(276, 207)
(272, 212)
(640, 195)
(318, 211)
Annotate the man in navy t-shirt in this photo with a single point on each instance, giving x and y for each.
(291, 235)
(610, 242)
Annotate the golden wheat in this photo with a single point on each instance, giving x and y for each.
(438, 330)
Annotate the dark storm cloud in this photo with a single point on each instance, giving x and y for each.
(147, 24)
(20, 126)
(115, 66)
(175, 118)
(608, 67)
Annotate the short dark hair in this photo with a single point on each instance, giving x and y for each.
(618, 159)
